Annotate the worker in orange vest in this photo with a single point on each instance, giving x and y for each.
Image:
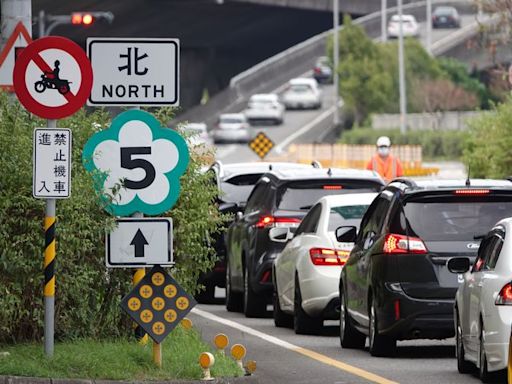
(386, 165)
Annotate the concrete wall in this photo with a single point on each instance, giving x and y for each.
(450, 121)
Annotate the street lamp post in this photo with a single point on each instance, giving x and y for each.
(336, 53)
(383, 21)
(401, 71)
(429, 26)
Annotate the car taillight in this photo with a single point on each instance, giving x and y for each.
(333, 187)
(471, 192)
(398, 244)
(317, 70)
(505, 295)
(271, 221)
(328, 256)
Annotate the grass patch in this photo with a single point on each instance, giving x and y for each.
(116, 360)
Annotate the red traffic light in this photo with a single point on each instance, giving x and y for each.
(78, 18)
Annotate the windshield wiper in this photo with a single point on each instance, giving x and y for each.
(306, 207)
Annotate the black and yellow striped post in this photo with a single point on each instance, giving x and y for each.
(139, 332)
(49, 277)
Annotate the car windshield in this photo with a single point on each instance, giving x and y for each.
(444, 11)
(452, 218)
(300, 88)
(346, 215)
(301, 196)
(238, 188)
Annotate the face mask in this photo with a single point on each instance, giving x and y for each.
(383, 151)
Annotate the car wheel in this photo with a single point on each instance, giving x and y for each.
(463, 365)
(349, 336)
(281, 319)
(254, 305)
(207, 295)
(278, 121)
(233, 299)
(303, 324)
(380, 345)
(482, 369)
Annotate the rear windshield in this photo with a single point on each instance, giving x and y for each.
(300, 88)
(346, 215)
(231, 120)
(302, 196)
(452, 218)
(238, 188)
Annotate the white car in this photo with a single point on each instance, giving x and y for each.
(197, 134)
(410, 26)
(265, 107)
(302, 93)
(483, 304)
(307, 272)
(232, 128)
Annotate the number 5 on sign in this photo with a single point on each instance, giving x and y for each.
(137, 164)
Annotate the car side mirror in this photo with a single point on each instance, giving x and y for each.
(239, 216)
(459, 264)
(280, 235)
(346, 234)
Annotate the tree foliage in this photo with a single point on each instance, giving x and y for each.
(87, 294)
(488, 148)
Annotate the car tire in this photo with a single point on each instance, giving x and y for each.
(254, 305)
(234, 301)
(281, 319)
(278, 121)
(207, 295)
(463, 366)
(350, 338)
(380, 345)
(483, 373)
(303, 324)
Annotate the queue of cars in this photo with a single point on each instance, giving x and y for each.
(409, 260)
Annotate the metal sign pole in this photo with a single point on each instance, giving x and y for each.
(49, 270)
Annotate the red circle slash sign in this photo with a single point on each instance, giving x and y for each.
(50, 78)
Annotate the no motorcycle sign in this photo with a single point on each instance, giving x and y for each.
(53, 77)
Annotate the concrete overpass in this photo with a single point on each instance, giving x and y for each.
(354, 7)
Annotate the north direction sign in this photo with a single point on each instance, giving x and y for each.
(134, 71)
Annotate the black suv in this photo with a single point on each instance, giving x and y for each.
(235, 182)
(281, 198)
(396, 284)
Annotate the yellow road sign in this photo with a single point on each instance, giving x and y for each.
(261, 145)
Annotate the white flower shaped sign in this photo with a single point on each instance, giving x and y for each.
(139, 160)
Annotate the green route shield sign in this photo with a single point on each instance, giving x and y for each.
(137, 164)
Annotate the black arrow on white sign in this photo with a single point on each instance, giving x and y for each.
(139, 241)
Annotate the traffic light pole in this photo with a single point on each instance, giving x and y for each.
(56, 20)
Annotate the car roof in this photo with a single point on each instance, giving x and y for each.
(232, 116)
(302, 80)
(404, 17)
(236, 169)
(348, 199)
(264, 96)
(438, 185)
(195, 126)
(445, 8)
(323, 173)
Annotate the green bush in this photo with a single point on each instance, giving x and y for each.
(435, 144)
(87, 294)
(488, 147)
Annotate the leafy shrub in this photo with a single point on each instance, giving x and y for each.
(87, 294)
(435, 144)
(488, 147)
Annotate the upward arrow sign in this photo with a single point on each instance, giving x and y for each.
(139, 241)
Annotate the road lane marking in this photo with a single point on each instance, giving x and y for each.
(292, 347)
(305, 128)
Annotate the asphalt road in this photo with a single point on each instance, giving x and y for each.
(309, 125)
(284, 357)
